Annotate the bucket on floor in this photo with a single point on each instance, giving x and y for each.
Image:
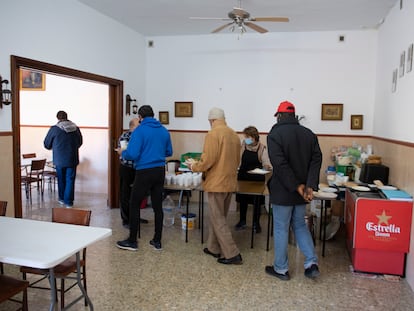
(191, 221)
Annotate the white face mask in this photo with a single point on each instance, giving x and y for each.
(248, 141)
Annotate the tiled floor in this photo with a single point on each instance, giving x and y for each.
(182, 277)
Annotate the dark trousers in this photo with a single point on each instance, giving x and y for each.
(126, 177)
(66, 184)
(244, 200)
(146, 181)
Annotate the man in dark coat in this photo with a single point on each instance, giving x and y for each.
(64, 139)
(296, 159)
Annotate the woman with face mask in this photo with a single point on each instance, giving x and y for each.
(253, 155)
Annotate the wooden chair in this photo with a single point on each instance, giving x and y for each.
(3, 208)
(34, 175)
(65, 269)
(10, 287)
(50, 176)
(28, 155)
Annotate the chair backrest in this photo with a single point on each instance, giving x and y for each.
(28, 155)
(3, 208)
(71, 216)
(38, 165)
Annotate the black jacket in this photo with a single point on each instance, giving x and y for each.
(296, 159)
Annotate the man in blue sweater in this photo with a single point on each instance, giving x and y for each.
(64, 139)
(149, 145)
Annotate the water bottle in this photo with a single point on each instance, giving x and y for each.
(168, 208)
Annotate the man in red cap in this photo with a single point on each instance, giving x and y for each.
(296, 159)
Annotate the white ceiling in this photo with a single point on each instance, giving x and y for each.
(171, 17)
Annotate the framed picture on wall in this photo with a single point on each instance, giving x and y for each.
(410, 58)
(357, 121)
(184, 109)
(164, 117)
(31, 80)
(332, 111)
(402, 64)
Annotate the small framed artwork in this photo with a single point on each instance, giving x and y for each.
(332, 111)
(394, 80)
(357, 121)
(402, 64)
(410, 58)
(164, 117)
(184, 109)
(31, 80)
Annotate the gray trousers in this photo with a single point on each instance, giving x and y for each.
(220, 239)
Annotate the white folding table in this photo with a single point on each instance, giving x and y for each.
(43, 245)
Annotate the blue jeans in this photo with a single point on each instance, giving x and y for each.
(66, 184)
(283, 218)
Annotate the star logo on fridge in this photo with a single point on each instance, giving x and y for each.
(383, 228)
(383, 218)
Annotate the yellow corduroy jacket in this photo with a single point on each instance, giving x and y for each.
(220, 159)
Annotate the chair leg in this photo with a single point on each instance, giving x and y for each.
(62, 293)
(24, 301)
(84, 283)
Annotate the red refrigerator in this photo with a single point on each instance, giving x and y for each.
(378, 232)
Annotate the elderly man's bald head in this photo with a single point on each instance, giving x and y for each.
(133, 124)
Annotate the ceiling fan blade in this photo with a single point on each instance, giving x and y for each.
(212, 18)
(270, 19)
(221, 27)
(255, 27)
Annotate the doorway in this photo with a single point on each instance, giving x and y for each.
(115, 122)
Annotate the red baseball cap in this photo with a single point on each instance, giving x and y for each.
(285, 107)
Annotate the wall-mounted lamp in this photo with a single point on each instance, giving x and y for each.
(128, 101)
(5, 94)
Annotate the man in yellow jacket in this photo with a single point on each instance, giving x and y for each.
(219, 162)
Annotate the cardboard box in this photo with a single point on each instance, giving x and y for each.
(337, 208)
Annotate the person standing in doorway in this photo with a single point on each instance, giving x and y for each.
(296, 159)
(126, 174)
(148, 147)
(64, 139)
(219, 162)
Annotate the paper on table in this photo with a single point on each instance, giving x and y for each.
(259, 171)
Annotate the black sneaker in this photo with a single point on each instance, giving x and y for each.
(284, 277)
(156, 245)
(128, 245)
(312, 272)
(240, 226)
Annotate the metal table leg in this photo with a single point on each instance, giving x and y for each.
(270, 217)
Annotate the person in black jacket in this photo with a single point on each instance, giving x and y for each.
(64, 139)
(296, 159)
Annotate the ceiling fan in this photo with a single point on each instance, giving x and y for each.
(239, 18)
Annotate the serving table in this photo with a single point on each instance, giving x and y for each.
(44, 245)
(256, 189)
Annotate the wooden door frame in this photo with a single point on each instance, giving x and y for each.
(115, 127)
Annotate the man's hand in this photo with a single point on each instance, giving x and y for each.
(308, 195)
(189, 162)
(301, 190)
(305, 193)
